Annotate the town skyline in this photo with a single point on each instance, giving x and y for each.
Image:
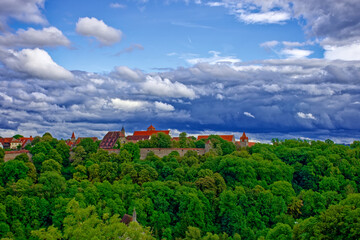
(274, 69)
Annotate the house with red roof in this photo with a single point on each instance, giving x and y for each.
(150, 131)
(6, 142)
(111, 138)
(145, 135)
(229, 138)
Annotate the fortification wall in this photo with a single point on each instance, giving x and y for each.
(162, 152)
(10, 155)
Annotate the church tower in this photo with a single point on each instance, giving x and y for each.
(73, 137)
(123, 130)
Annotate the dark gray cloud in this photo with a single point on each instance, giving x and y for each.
(302, 98)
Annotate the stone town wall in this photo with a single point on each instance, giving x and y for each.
(161, 152)
(10, 155)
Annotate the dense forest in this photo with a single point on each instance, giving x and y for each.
(291, 189)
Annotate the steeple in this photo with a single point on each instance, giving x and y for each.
(123, 130)
(244, 138)
(73, 136)
(134, 216)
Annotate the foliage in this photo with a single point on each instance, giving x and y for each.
(293, 189)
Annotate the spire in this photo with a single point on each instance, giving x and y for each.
(134, 216)
(244, 137)
(73, 136)
(123, 130)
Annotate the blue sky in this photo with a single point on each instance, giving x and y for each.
(276, 68)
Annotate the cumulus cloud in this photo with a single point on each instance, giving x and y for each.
(92, 27)
(265, 17)
(249, 115)
(157, 86)
(313, 98)
(347, 52)
(129, 105)
(306, 115)
(164, 106)
(35, 62)
(26, 11)
(126, 73)
(296, 53)
(31, 37)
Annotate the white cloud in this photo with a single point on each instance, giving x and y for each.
(25, 11)
(50, 36)
(165, 88)
(349, 52)
(296, 53)
(35, 62)
(93, 27)
(220, 96)
(129, 105)
(164, 106)
(265, 17)
(117, 5)
(125, 73)
(249, 114)
(215, 59)
(269, 44)
(306, 115)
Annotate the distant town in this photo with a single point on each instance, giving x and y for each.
(112, 141)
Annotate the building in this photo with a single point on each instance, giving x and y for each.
(127, 219)
(244, 141)
(6, 142)
(229, 138)
(111, 138)
(145, 135)
(150, 131)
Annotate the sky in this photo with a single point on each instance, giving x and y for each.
(272, 68)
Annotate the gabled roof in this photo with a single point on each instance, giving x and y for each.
(110, 139)
(229, 138)
(250, 144)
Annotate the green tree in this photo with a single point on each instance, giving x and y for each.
(280, 232)
(52, 183)
(12, 171)
(160, 140)
(133, 149)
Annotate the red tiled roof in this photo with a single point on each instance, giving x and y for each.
(250, 144)
(244, 137)
(6, 140)
(25, 141)
(228, 138)
(110, 139)
(149, 133)
(151, 128)
(73, 135)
